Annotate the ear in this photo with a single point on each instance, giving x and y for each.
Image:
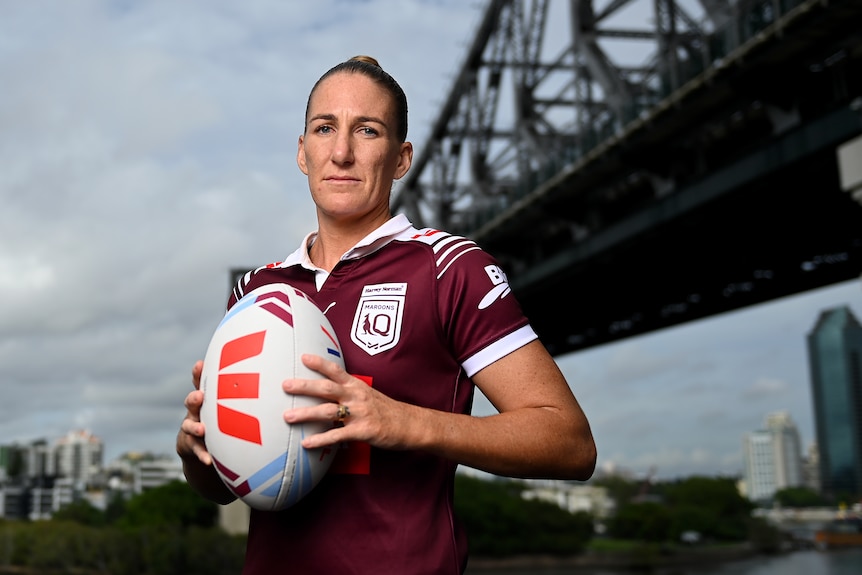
(300, 156)
(405, 160)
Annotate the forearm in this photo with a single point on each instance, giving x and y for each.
(540, 430)
(528, 442)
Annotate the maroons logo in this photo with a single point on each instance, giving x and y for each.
(377, 323)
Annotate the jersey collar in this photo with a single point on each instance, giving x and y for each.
(377, 239)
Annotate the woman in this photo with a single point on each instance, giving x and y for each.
(422, 316)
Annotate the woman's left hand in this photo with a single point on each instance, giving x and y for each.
(373, 417)
(540, 430)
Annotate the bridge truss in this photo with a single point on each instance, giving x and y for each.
(635, 164)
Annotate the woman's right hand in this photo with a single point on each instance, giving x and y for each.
(197, 461)
(190, 440)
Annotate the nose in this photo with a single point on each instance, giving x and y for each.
(342, 149)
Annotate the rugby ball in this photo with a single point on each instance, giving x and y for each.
(257, 345)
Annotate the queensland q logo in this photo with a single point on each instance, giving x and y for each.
(377, 323)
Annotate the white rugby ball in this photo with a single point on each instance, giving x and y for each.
(257, 345)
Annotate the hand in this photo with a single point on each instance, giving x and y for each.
(374, 417)
(190, 439)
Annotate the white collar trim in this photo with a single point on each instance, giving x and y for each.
(380, 237)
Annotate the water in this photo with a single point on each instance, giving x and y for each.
(809, 562)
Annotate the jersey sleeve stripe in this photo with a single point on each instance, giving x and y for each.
(239, 287)
(452, 261)
(445, 241)
(500, 348)
(451, 249)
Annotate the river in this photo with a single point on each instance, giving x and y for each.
(808, 562)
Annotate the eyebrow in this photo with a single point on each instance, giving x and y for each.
(360, 119)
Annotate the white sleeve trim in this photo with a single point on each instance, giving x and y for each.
(499, 349)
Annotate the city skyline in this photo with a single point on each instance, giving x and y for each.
(622, 361)
(773, 458)
(835, 355)
(148, 149)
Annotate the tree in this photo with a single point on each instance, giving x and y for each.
(709, 506)
(15, 465)
(799, 497)
(621, 490)
(642, 522)
(172, 504)
(116, 508)
(500, 522)
(80, 511)
(718, 498)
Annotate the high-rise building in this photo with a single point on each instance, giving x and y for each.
(835, 362)
(79, 457)
(811, 468)
(157, 471)
(773, 457)
(39, 460)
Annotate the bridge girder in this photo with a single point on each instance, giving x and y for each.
(570, 162)
(567, 93)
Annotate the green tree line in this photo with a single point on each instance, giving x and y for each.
(499, 522)
(710, 507)
(162, 531)
(171, 529)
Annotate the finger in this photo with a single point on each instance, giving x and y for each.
(193, 402)
(325, 367)
(192, 441)
(202, 454)
(322, 412)
(322, 388)
(334, 436)
(193, 428)
(197, 369)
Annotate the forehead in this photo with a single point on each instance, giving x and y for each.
(350, 90)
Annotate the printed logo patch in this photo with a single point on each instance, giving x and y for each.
(239, 386)
(501, 286)
(377, 323)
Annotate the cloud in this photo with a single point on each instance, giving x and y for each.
(632, 364)
(765, 387)
(149, 147)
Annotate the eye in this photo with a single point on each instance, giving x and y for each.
(368, 131)
(323, 129)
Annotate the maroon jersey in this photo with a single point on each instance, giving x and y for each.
(417, 313)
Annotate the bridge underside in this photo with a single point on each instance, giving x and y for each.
(787, 232)
(727, 197)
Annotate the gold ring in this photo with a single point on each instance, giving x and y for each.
(343, 413)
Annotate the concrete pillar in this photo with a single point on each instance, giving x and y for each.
(850, 167)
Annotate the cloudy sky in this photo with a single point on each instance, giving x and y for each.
(146, 148)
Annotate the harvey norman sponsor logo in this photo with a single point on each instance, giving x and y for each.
(379, 313)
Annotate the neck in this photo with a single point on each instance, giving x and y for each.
(335, 238)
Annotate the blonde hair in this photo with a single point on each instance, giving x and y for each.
(367, 59)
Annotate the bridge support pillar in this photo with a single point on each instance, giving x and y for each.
(850, 167)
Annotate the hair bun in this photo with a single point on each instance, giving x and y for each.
(367, 60)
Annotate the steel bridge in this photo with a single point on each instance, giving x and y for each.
(636, 164)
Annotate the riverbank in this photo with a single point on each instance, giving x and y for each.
(622, 561)
(792, 562)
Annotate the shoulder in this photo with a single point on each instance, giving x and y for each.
(262, 275)
(447, 249)
(255, 278)
(463, 267)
